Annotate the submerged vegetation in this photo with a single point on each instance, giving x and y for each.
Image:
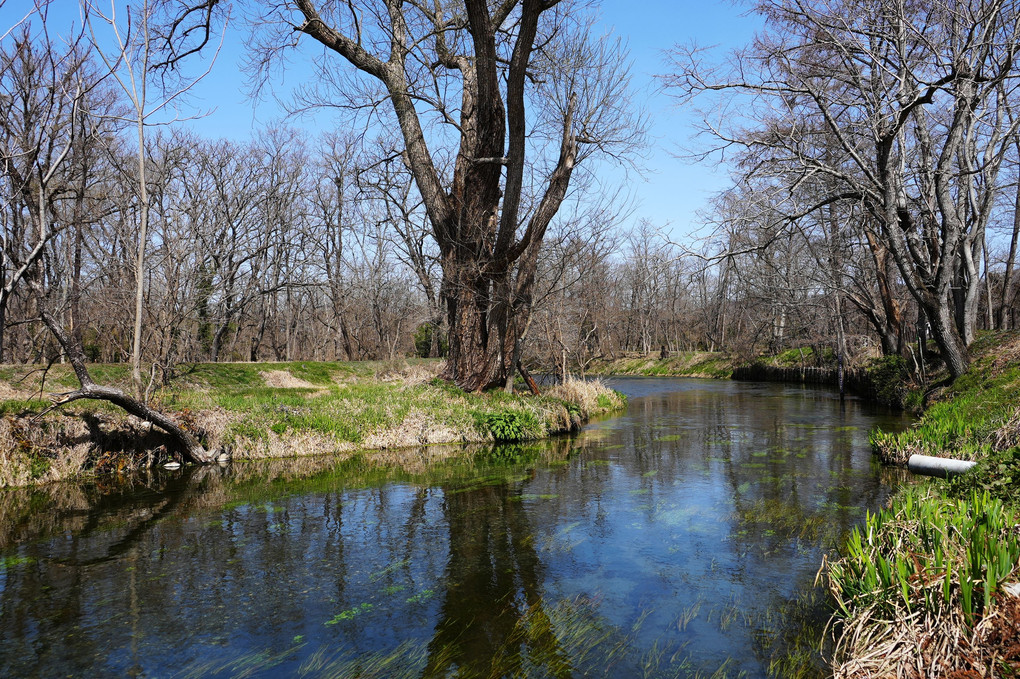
(278, 410)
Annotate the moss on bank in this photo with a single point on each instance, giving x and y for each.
(931, 582)
(274, 410)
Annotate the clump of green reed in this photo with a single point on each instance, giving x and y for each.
(928, 552)
(961, 426)
(928, 568)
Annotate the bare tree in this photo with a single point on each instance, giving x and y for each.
(41, 92)
(896, 107)
(131, 61)
(458, 79)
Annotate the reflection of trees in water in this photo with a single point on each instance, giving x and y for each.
(29, 514)
(48, 602)
(492, 618)
(146, 553)
(493, 583)
(786, 464)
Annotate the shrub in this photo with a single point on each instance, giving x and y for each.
(423, 341)
(511, 425)
(888, 376)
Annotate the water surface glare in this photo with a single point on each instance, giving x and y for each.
(679, 539)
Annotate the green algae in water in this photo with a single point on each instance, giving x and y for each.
(420, 597)
(14, 561)
(674, 517)
(392, 568)
(349, 614)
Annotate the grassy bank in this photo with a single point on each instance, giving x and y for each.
(928, 586)
(272, 410)
(713, 364)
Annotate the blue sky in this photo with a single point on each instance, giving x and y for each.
(674, 189)
(670, 192)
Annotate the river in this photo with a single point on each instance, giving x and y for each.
(678, 539)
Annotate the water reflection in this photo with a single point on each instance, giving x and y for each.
(678, 538)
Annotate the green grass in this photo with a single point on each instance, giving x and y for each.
(793, 358)
(716, 365)
(936, 558)
(20, 406)
(962, 422)
(345, 404)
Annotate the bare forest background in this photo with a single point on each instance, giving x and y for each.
(874, 145)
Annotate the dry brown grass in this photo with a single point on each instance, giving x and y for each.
(32, 454)
(1008, 435)
(421, 372)
(585, 393)
(417, 429)
(411, 374)
(282, 379)
(1007, 352)
(290, 444)
(9, 392)
(926, 644)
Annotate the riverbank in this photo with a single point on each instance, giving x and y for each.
(688, 531)
(710, 364)
(271, 410)
(928, 587)
(878, 378)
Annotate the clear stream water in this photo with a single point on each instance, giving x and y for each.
(678, 539)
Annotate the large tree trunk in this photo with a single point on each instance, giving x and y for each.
(480, 355)
(488, 269)
(946, 334)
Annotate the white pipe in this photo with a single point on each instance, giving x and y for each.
(943, 467)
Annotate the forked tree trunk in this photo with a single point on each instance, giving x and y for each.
(481, 348)
(488, 268)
